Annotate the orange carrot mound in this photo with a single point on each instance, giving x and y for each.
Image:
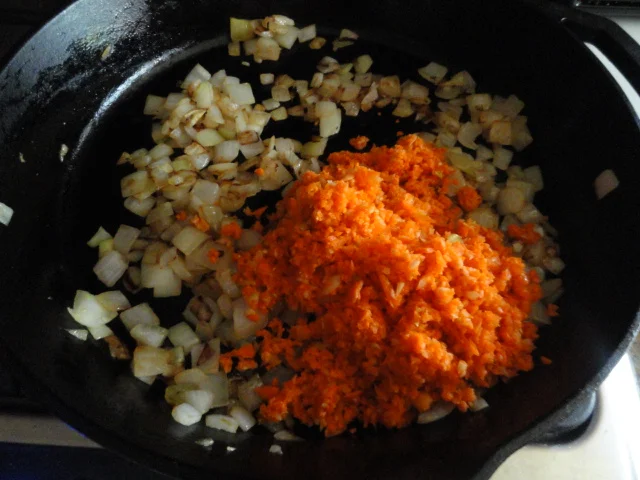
(403, 317)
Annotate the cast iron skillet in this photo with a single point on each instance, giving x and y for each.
(57, 90)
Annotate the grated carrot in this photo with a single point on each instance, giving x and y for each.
(245, 356)
(403, 317)
(213, 255)
(359, 143)
(257, 213)
(267, 392)
(552, 310)
(200, 223)
(231, 230)
(546, 360)
(181, 216)
(468, 198)
(259, 171)
(525, 233)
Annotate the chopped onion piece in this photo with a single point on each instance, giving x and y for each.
(502, 158)
(227, 151)
(114, 301)
(279, 114)
(307, 33)
(208, 192)
(436, 412)
(287, 39)
(209, 138)
(205, 442)
(141, 314)
(140, 207)
(201, 400)
(185, 414)
(243, 327)
(98, 237)
(148, 361)
(110, 268)
(479, 404)
(286, 436)
(150, 335)
(242, 94)
(245, 420)
(153, 105)
(267, 49)
(266, 78)
(100, 331)
(222, 422)
(468, 133)
(251, 150)
(247, 395)
(189, 239)
(79, 333)
(196, 75)
(181, 335)
(241, 29)
(125, 238)
(605, 183)
(330, 124)
(275, 449)
(433, 72)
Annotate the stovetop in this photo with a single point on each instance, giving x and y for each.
(597, 442)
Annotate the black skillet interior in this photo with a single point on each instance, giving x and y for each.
(58, 90)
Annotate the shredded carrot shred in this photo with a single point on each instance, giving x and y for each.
(468, 198)
(257, 213)
(525, 233)
(552, 310)
(399, 133)
(213, 255)
(546, 360)
(231, 230)
(200, 223)
(359, 143)
(245, 356)
(403, 317)
(181, 216)
(259, 171)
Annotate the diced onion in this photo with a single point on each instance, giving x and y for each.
(139, 207)
(125, 238)
(247, 395)
(148, 361)
(208, 192)
(114, 301)
(242, 94)
(189, 239)
(330, 124)
(227, 151)
(181, 335)
(201, 400)
(266, 78)
(252, 149)
(139, 315)
(110, 268)
(606, 183)
(150, 335)
(245, 420)
(436, 412)
(222, 422)
(243, 327)
(209, 138)
(275, 449)
(286, 436)
(98, 237)
(79, 333)
(205, 442)
(307, 33)
(196, 75)
(185, 414)
(100, 331)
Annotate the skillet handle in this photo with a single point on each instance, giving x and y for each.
(616, 44)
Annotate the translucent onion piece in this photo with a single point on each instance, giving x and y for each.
(201, 400)
(437, 412)
(222, 422)
(185, 414)
(139, 207)
(307, 33)
(88, 311)
(605, 183)
(125, 238)
(181, 335)
(150, 335)
(245, 420)
(114, 301)
(110, 268)
(243, 327)
(98, 237)
(189, 239)
(139, 315)
(149, 361)
(242, 94)
(99, 332)
(79, 333)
